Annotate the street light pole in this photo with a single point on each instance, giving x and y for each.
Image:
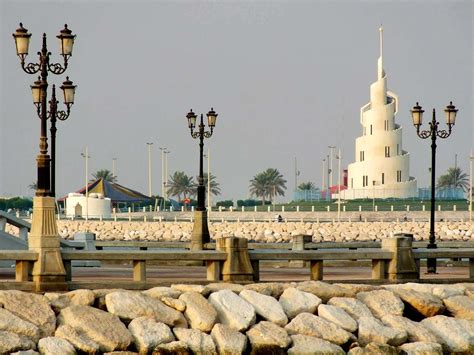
(331, 154)
(433, 132)
(86, 157)
(200, 234)
(149, 168)
(48, 270)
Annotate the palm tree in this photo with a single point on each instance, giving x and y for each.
(181, 184)
(306, 186)
(215, 188)
(268, 183)
(454, 177)
(104, 174)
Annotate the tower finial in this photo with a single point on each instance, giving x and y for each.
(380, 61)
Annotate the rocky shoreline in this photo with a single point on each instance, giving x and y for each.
(309, 317)
(265, 232)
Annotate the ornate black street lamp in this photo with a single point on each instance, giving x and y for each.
(433, 132)
(200, 233)
(45, 163)
(48, 272)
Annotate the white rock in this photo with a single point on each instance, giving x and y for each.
(10, 342)
(77, 339)
(32, 308)
(265, 306)
(421, 348)
(265, 336)
(228, 340)
(148, 333)
(159, 292)
(338, 316)
(295, 302)
(197, 341)
(307, 345)
(460, 306)
(309, 324)
(199, 312)
(417, 332)
(382, 302)
(353, 307)
(55, 346)
(372, 330)
(203, 290)
(14, 324)
(131, 305)
(232, 310)
(101, 327)
(453, 333)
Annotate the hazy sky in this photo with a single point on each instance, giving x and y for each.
(287, 79)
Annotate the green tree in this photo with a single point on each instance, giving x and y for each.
(181, 184)
(306, 186)
(454, 177)
(104, 174)
(215, 186)
(268, 183)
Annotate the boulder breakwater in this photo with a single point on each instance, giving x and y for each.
(265, 232)
(309, 317)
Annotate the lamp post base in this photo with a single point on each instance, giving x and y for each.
(200, 234)
(48, 270)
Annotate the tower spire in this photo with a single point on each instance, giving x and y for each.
(380, 61)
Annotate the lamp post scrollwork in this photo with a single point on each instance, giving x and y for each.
(433, 132)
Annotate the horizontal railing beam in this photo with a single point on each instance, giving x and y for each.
(143, 255)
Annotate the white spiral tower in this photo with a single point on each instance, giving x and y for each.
(381, 168)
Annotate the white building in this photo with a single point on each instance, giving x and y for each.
(381, 168)
(95, 206)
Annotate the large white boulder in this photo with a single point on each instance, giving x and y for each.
(199, 312)
(131, 305)
(232, 310)
(295, 302)
(266, 307)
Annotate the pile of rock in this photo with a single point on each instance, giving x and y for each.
(310, 317)
(265, 232)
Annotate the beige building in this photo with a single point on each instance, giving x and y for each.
(381, 168)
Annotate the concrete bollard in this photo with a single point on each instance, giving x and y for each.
(298, 244)
(89, 245)
(237, 266)
(403, 265)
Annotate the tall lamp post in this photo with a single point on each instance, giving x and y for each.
(433, 132)
(48, 271)
(200, 234)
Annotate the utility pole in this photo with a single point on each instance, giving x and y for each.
(149, 168)
(86, 156)
(331, 154)
(339, 158)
